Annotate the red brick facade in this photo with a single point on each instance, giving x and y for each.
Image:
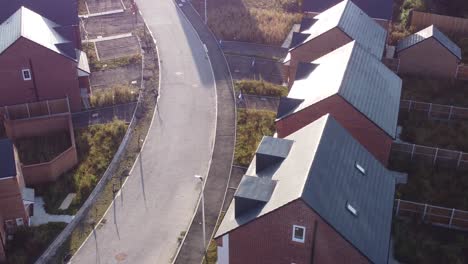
(53, 75)
(373, 138)
(268, 240)
(440, 63)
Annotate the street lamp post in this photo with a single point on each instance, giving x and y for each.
(206, 16)
(203, 211)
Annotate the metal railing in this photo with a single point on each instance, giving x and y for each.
(436, 215)
(435, 111)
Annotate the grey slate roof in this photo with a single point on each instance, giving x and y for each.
(7, 159)
(30, 25)
(320, 170)
(359, 78)
(353, 22)
(429, 32)
(381, 9)
(63, 12)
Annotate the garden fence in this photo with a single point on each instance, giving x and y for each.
(435, 111)
(436, 215)
(437, 156)
(447, 24)
(35, 109)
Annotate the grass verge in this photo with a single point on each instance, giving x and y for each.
(29, 242)
(260, 87)
(96, 146)
(252, 125)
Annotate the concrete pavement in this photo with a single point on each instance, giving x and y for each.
(157, 202)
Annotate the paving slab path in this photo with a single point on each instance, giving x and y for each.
(158, 201)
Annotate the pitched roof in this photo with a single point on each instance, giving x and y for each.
(381, 9)
(321, 170)
(353, 22)
(429, 32)
(7, 159)
(63, 12)
(30, 25)
(359, 78)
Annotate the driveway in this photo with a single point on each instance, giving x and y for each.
(158, 200)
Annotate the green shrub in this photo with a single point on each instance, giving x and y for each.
(407, 6)
(252, 125)
(96, 146)
(261, 88)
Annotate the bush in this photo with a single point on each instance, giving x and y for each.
(118, 94)
(261, 88)
(29, 242)
(252, 125)
(96, 146)
(407, 6)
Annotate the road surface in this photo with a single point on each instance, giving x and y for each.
(159, 198)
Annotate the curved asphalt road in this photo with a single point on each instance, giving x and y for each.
(159, 198)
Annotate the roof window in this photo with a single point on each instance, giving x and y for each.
(360, 168)
(351, 209)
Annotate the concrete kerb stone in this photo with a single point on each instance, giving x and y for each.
(82, 212)
(235, 130)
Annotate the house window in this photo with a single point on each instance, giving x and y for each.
(360, 168)
(298, 233)
(26, 74)
(19, 222)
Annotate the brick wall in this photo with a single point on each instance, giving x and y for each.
(315, 49)
(54, 75)
(374, 139)
(2, 240)
(268, 240)
(11, 201)
(428, 58)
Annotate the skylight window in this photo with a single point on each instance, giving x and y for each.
(351, 209)
(360, 168)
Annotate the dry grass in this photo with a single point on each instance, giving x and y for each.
(260, 21)
(253, 25)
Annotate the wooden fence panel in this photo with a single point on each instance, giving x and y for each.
(449, 25)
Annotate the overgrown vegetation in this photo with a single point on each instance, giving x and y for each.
(407, 6)
(260, 21)
(33, 150)
(118, 94)
(29, 242)
(432, 185)
(96, 147)
(434, 133)
(416, 242)
(432, 90)
(252, 125)
(98, 65)
(260, 87)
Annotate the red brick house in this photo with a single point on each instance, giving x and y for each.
(330, 30)
(37, 62)
(316, 196)
(351, 84)
(16, 201)
(444, 58)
